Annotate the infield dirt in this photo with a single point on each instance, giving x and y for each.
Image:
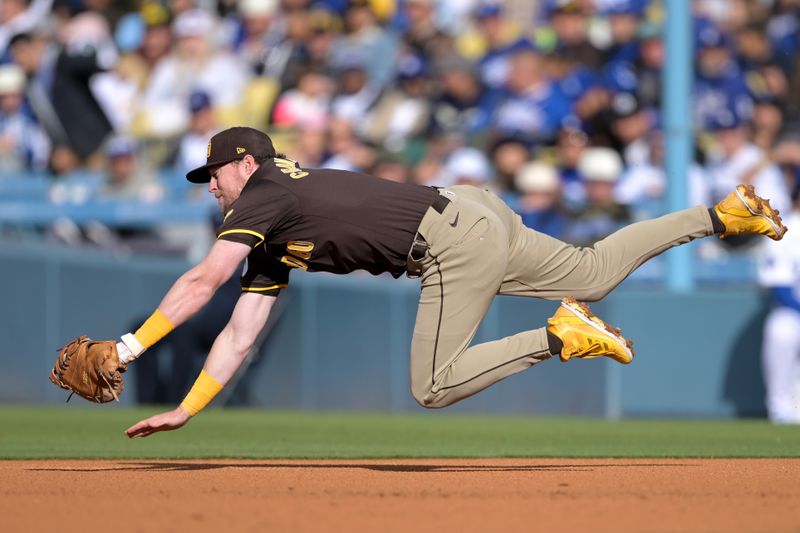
(417, 495)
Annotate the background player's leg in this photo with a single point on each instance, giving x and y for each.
(460, 280)
(781, 362)
(545, 267)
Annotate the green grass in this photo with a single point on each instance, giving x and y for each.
(69, 432)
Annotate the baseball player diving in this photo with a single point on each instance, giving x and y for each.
(464, 244)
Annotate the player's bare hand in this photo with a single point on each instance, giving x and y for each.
(161, 422)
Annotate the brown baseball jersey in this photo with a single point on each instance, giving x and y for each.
(322, 220)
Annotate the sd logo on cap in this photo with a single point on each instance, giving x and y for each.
(230, 145)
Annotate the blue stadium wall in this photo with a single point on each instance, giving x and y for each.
(342, 342)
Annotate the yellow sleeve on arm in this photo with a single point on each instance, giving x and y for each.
(154, 329)
(203, 391)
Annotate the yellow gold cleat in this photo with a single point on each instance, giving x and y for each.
(743, 211)
(586, 336)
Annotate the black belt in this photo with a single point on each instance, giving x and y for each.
(419, 248)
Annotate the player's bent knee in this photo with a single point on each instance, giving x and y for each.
(428, 399)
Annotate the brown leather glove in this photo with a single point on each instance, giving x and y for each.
(90, 369)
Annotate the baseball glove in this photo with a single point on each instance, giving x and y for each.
(90, 369)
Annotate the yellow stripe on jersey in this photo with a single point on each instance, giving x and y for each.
(264, 289)
(247, 231)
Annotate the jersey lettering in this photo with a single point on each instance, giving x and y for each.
(301, 249)
(294, 262)
(287, 166)
(298, 251)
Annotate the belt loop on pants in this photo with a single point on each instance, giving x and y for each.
(440, 204)
(419, 248)
(418, 252)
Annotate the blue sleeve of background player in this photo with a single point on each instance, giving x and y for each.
(785, 296)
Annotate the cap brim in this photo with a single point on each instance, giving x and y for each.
(201, 174)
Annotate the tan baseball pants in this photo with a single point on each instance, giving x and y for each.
(479, 248)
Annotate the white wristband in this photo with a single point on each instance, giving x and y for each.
(130, 348)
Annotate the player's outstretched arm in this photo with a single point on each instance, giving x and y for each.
(92, 369)
(186, 297)
(227, 354)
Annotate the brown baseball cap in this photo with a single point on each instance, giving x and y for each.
(230, 145)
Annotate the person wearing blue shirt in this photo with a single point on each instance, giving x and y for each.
(536, 106)
(463, 104)
(495, 66)
(719, 84)
(624, 17)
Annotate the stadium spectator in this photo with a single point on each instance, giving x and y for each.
(259, 36)
(502, 43)
(719, 83)
(422, 34)
(202, 126)
(766, 81)
(402, 112)
(272, 41)
(23, 144)
(572, 142)
(587, 94)
(378, 47)
(601, 168)
(536, 107)
(508, 155)
(467, 166)
(127, 178)
(650, 65)
(59, 89)
(308, 105)
(355, 94)
(345, 150)
(309, 147)
(157, 39)
(624, 18)
(194, 63)
(630, 125)
(735, 159)
(782, 29)
(144, 38)
(463, 104)
(483, 22)
(325, 26)
(391, 167)
(569, 22)
(539, 204)
(20, 16)
(643, 184)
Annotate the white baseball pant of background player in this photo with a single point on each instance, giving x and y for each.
(780, 267)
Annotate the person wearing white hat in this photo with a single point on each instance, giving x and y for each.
(23, 144)
(600, 168)
(467, 166)
(540, 204)
(193, 64)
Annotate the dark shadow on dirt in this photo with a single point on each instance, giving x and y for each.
(394, 468)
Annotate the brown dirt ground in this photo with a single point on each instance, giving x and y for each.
(408, 495)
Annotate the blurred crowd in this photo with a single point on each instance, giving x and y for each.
(554, 104)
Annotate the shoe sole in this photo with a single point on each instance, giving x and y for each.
(582, 311)
(762, 209)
